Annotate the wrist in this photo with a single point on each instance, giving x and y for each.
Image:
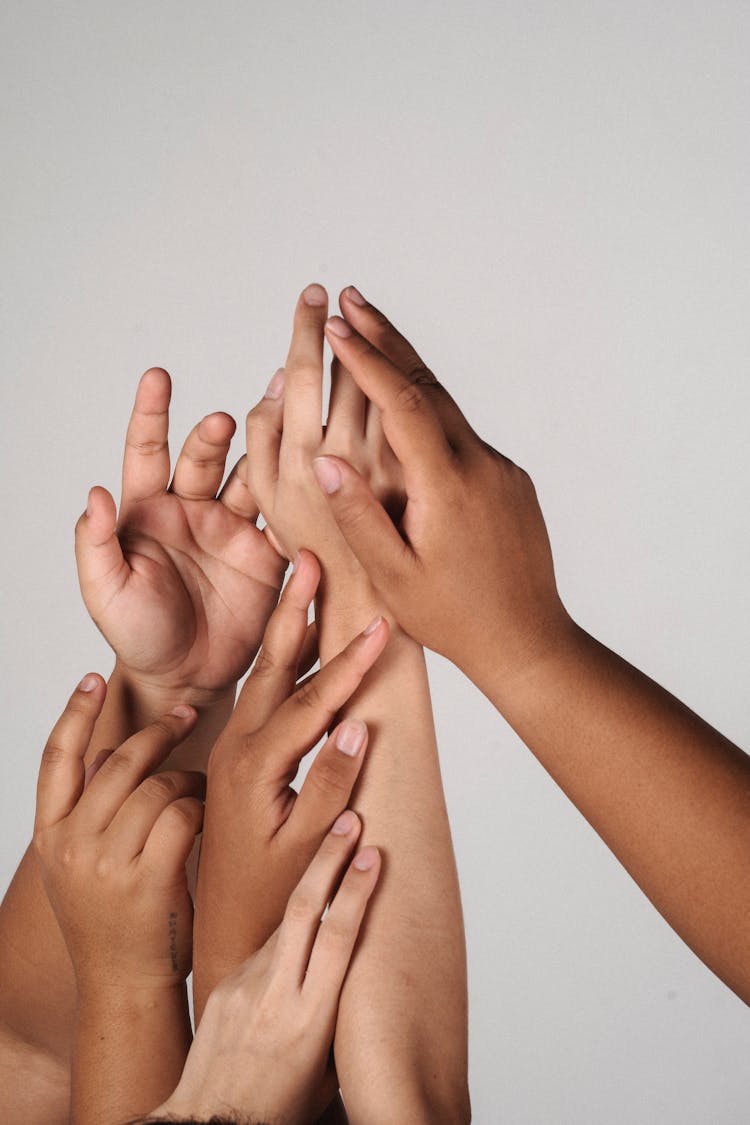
(128, 995)
(149, 697)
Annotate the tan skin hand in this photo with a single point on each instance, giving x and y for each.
(469, 568)
(262, 1049)
(112, 844)
(182, 582)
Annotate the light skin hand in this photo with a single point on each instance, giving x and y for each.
(263, 1045)
(259, 834)
(180, 582)
(112, 843)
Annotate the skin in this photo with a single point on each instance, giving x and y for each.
(181, 554)
(111, 843)
(405, 995)
(263, 1044)
(469, 573)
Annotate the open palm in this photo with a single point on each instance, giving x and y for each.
(183, 583)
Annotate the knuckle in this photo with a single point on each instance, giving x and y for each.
(310, 697)
(182, 814)
(163, 729)
(53, 756)
(328, 775)
(410, 399)
(103, 867)
(301, 906)
(146, 448)
(337, 932)
(160, 787)
(355, 511)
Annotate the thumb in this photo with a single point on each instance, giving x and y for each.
(101, 565)
(365, 524)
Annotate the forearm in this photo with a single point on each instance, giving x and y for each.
(130, 1046)
(667, 793)
(405, 994)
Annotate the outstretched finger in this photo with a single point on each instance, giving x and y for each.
(296, 726)
(263, 428)
(145, 467)
(235, 494)
(327, 789)
(62, 771)
(200, 467)
(347, 409)
(274, 674)
(102, 568)
(303, 394)
(310, 897)
(338, 932)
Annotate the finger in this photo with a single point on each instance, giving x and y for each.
(145, 467)
(411, 422)
(347, 409)
(62, 772)
(263, 428)
(365, 524)
(200, 467)
(171, 840)
(303, 393)
(310, 897)
(102, 569)
(338, 932)
(130, 828)
(274, 674)
(235, 494)
(124, 770)
(92, 769)
(329, 783)
(378, 330)
(310, 652)
(296, 726)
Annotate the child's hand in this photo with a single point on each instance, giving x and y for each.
(259, 834)
(263, 1045)
(182, 586)
(468, 572)
(112, 843)
(285, 434)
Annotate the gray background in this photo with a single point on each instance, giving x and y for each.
(551, 199)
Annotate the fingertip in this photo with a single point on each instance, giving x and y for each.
(328, 474)
(154, 390)
(314, 295)
(184, 712)
(351, 294)
(306, 569)
(338, 328)
(91, 682)
(346, 824)
(217, 428)
(367, 859)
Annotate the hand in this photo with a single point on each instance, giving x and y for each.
(263, 1045)
(468, 571)
(112, 847)
(285, 434)
(259, 834)
(183, 585)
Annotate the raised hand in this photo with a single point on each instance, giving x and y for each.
(468, 569)
(182, 582)
(263, 1045)
(259, 834)
(285, 433)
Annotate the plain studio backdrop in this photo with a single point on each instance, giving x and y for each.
(550, 199)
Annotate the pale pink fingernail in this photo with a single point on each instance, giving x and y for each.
(182, 711)
(88, 683)
(315, 295)
(275, 388)
(338, 326)
(370, 629)
(354, 295)
(344, 824)
(350, 737)
(328, 474)
(365, 859)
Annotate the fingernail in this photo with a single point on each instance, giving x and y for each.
(343, 824)
(354, 295)
(275, 388)
(371, 627)
(365, 859)
(351, 737)
(328, 474)
(88, 683)
(338, 326)
(315, 295)
(181, 711)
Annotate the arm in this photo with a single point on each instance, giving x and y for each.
(111, 848)
(405, 995)
(471, 575)
(177, 555)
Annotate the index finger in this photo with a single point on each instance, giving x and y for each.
(62, 772)
(411, 423)
(303, 385)
(145, 466)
